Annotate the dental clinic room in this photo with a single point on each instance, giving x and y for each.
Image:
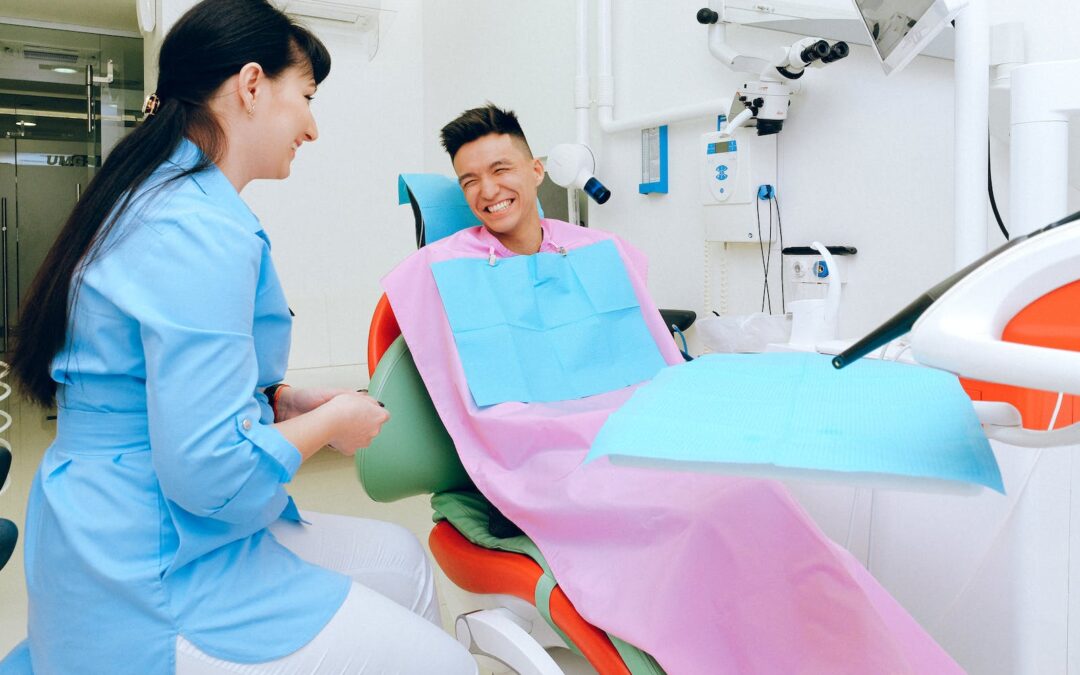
(483, 337)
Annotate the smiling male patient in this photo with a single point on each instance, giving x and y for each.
(498, 174)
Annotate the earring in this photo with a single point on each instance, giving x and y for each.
(251, 109)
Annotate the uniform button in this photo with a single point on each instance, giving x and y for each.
(246, 424)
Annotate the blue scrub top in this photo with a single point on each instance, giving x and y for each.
(147, 518)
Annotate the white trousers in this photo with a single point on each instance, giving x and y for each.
(389, 623)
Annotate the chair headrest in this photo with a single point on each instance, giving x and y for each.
(438, 205)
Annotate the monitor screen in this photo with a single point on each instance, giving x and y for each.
(900, 29)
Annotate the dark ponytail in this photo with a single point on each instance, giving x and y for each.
(207, 46)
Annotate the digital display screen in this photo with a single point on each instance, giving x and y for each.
(718, 148)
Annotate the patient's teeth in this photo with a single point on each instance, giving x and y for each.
(501, 206)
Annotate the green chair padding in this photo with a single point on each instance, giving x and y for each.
(468, 512)
(413, 454)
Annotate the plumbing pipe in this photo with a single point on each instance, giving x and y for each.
(582, 102)
(972, 120)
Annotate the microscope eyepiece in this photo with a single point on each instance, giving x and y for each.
(818, 50)
(836, 52)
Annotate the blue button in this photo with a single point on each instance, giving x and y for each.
(821, 270)
(722, 167)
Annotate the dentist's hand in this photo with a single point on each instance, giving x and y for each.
(359, 419)
(293, 401)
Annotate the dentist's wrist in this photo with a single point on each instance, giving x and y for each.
(276, 395)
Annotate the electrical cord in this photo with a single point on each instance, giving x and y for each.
(768, 254)
(685, 351)
(990, 189)
(1057, 409)
(780, 227)
(764, 261)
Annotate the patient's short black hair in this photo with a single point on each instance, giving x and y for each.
(479, 122)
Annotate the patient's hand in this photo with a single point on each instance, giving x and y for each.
(359, 417)
(293, 401)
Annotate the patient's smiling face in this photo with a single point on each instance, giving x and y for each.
(499, 178)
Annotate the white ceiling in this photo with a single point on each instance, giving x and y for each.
(110, 14)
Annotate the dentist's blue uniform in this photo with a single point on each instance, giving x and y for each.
(147, 518)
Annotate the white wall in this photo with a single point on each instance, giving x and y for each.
(864, 160)
(513, 53)
(335, 223)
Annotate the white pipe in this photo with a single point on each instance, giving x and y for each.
(718, 106)
(605, 89)
(582, 103)
(582, 100)
(972, 119)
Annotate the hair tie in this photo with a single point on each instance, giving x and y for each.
(151, 106)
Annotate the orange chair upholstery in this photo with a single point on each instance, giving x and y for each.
(1048, 322)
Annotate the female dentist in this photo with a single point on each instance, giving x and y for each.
(159, 534)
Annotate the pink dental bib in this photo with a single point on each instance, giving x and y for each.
(706, 573)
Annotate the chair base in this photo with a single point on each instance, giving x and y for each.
(518, 639)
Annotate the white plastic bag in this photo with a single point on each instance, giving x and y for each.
(744, 333)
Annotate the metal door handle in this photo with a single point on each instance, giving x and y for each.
(89, 98)
(4, 266)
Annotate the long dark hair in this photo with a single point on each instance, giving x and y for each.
(207, 46)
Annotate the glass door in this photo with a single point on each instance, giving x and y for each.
(7, 221)
(51, 177)
(65, 100)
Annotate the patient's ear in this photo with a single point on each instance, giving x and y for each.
(538, 169)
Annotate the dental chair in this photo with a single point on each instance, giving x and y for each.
(521, 611)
